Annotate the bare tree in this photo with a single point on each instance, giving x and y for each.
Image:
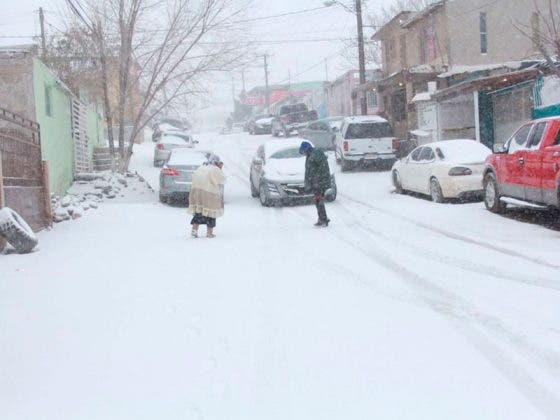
(153, 54)
(544, 31)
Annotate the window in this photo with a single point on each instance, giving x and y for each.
(369, 130)
(427, 155)
(428, 44)
(389, 50)
(287, 154)
(483, 33)
(536, 135)
(557, 140)
(519, 139)
(440, 153)
(415, 155)
(48, 101)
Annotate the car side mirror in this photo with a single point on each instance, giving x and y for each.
(257, 161)
(499, 148)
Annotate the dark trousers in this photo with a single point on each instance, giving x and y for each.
(199, 219)
(320, 205)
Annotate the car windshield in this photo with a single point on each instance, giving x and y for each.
(286, 154)
(368, 130)
(174, 139)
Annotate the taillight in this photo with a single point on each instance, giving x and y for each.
(460, 171)
(169, 171)
(395, 144)
(160, 147)
(345, 145)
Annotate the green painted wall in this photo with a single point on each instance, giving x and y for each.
(95, 129)
(57, 144)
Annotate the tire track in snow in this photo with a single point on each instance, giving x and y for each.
(474, 324)
(456, 262)
(456, 236)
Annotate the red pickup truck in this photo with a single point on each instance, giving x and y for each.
(525, 171)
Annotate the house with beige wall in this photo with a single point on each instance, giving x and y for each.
(460, 39)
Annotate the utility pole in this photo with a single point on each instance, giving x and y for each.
(266, 93)
(243, 79)
(326, 70)
(43, 40)
(361, 57)
(233, 91)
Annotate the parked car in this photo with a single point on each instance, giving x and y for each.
(175, 178)
(168, 142)
(366, 140)
(277, 174)
(444, 169)
(525, 171)
(291, 118)
(166, 128)
(322, 133)
(260, 124)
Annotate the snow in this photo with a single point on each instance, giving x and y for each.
(170, 139)
(401, 309)
(550, 93)
(187, 157)
(422, 96)
(463, 151)
(455, 70)
(365, 119)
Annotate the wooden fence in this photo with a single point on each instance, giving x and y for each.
(24, 183)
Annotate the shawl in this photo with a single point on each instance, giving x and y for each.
(206, 196)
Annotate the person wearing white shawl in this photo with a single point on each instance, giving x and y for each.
(206, 199)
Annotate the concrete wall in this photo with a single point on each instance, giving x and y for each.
(16, 84)
(505, 42)
(56, 137)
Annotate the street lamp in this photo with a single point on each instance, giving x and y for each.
(361, 53)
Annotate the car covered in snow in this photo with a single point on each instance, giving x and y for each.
(175, 178)
(260, 124)
(525, 171)
(322, 133)
(278, 171)
(444, 169)
(168, 142)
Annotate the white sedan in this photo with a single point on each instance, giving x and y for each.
(444, 169)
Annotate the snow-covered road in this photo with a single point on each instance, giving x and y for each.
(401, 309)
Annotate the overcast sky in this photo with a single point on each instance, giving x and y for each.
(282, 38)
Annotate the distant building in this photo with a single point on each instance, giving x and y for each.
(343, 89)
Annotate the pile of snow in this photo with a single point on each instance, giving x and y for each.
(550, 93)
(455, 70)
(90, 190)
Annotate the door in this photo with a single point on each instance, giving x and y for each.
(409, 170)
(531, 169)
(309, 132)
(551, 166)
(511, 174)
(423, 170)
(323, 136)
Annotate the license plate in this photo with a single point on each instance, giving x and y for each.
(371, 156)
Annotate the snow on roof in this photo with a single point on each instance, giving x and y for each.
(454, 70)
(420, 133)
(422, 96)
(423, 68)
(365, 119)
(274, 146)
(423, 13)
(462, 150)
(171, 139)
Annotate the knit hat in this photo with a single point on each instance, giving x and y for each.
(304, 147)
(214, 160)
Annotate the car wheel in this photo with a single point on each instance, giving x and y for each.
(337, 155)
(163, 198)
(435, 191)
(285, 133)
(345, 165)
(275, 133)
(16, 231)
(492, 194)
(397, 182)
(263, 195)
(254, 191)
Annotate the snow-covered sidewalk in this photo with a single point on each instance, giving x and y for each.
(402, 309)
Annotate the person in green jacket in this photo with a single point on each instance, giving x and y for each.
(317, 179)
